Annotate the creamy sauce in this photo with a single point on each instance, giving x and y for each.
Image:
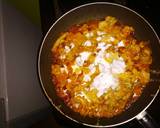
(67, 49)
(108, 70)
(82, 58)
(121, 44)
(86, 78)
(107, 77)
(94, 72)
(87, 43)
(100, 33)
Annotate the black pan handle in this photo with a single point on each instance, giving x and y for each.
(146, 120)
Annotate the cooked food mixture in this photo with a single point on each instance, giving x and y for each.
(99, 68)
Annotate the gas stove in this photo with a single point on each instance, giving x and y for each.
(52, 9)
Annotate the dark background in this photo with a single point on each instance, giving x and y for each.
(52, 9)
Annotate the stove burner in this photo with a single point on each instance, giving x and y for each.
(50, 10)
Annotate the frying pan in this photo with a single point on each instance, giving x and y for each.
(83, 13)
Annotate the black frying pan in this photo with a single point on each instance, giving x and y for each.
(98, 10)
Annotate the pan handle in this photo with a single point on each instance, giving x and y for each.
(146, 120)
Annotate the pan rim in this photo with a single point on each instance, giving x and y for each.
(46, 35)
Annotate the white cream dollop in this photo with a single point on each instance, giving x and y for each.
(121, 44)
(118, 66)
(87, 43)
(82, 58)
(104, 81)
(107, 76)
